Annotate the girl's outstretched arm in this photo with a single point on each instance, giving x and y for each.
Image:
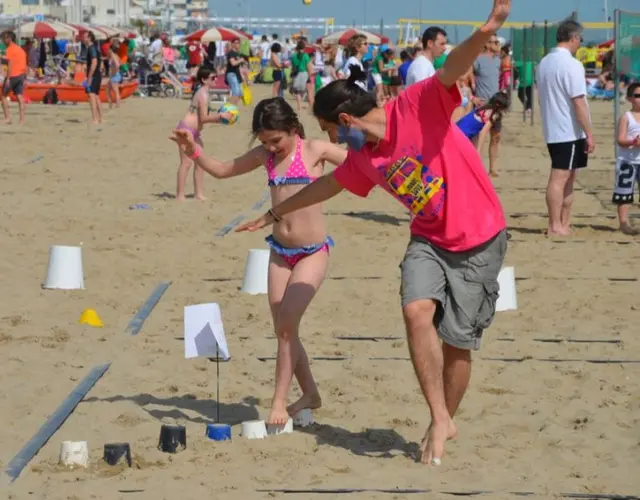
(482, 137)
(327, 151)
(318, 191)
(220, 170)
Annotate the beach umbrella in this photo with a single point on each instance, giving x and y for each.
(83, 28)
(48, 29)
(216, 35)
(342, 37)
(109, 31)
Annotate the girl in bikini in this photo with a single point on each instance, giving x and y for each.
(477, 124)
(197, 116)
(299, 243)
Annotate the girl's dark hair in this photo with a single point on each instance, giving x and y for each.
(204, 73)
(344, 96)
(498, 104)
(300, 46)
(276, 48)
(275, 114)
(92, 36)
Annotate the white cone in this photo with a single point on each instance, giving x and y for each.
(254, 429)
(507, 300)
(274, 430)
(303, 418)
(74, 453)
(256, 272)
(65, 268)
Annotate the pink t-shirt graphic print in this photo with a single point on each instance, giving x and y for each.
(427, 164)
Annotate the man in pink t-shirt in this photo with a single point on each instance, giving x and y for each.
(458, 242)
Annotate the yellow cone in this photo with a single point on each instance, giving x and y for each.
(90, 317)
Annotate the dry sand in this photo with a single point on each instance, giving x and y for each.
(535, 426)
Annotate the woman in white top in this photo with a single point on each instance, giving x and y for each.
(357, 48)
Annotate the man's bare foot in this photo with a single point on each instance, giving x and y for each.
(559, 232)
(278, 416)
(306, 402)
(627, 228)
(432, 446)
(200, 197)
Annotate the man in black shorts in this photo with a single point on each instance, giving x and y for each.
(566, 122)
(94, 77)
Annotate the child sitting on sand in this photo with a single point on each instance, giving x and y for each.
(477, 124)
(299, 243)
(628, 162)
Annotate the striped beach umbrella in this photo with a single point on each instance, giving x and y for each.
(48, 29)
(342, 37)
(83, 28)
(216, 35)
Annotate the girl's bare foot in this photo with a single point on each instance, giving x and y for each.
(278, 416)
(560, 232)
(200, 197)
(306, 402)
(494, 173)
(432, 446)
(180, 197)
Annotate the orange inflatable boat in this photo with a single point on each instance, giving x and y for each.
(73, 93)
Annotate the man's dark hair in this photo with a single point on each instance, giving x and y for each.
(567, 30)
(11, 35)
(431, 34)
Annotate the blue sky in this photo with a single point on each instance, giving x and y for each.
(371, 11)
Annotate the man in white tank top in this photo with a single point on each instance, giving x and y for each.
(628, 161)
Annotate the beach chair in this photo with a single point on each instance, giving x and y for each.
(219, 91)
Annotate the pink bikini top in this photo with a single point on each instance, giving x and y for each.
(297, 173)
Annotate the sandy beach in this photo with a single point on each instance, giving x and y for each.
(536, 425)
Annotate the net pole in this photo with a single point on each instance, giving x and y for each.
(522, 74)
(616, 72)
(534, 62)
(546, 37)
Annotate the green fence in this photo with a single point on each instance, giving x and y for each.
(627, 43)
(529, 45)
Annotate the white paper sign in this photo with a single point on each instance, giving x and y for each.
(203, 332)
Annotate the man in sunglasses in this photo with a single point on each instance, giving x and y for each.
(566, 122)
(486, 69)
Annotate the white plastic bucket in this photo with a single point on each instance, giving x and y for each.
(256, 272)
(74, 453)
(64, 271)
(507, 300)
(274, 430)
(254, 429)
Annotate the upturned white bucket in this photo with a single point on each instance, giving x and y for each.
(64, 271)
(74, 453)
(275, 430)
(254, 429)
(256, 272)
(508, 300)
